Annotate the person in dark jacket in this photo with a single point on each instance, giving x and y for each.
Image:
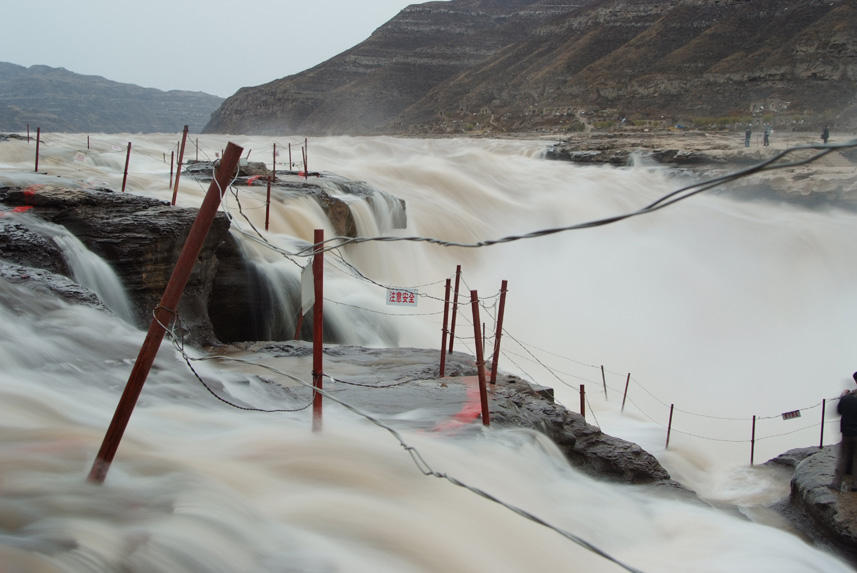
(847, 459)
(825, 133)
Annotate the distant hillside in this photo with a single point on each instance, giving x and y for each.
(522, 65)
(56, 99)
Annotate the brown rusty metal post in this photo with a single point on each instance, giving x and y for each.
(306, 155)
(87, 142)
(753, 441)
(454, 307)
(164, 313)
(480, 359)
(443, 336)
(268, 206)
(274, 175)
(38, 142)
(625, 395)
(821, 441)
(583, 401)
(127, 161)
(500, 313)
(317, 334)
(179, 168)
(669, 426)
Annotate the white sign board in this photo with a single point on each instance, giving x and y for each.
(402, 297)
(79, 157)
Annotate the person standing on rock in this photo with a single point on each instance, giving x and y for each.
(767, 135)
(825, 133)
(747, 135)
(847, 408)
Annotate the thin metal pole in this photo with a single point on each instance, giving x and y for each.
(583, 401)
(604, 381)
(197, 149)
(753, 441)
(38, 142)
(454, 308)
(443, 337)
(274, 175)
(306, 155)
(670, 426)
(28, 133)
(503, 286)
(480, 359)
(87, 142)
(290, 157)
(268, 206)
(164, 313)
(127, 161)
(179, 168)
(823, 406)
(172, 163)
(625, 395)
(317, 334)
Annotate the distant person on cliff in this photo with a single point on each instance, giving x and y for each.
(747, 135)
(847, 459)
(825, 134)
(767, 135)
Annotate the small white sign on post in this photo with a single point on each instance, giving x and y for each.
(79, 157)
(402, 297)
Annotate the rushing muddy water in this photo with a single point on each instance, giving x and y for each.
(725, 309)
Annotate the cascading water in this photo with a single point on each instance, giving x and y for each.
(87, 268)
(722, 307)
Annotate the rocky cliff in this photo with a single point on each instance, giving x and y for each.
(522, 65)
(56, 99)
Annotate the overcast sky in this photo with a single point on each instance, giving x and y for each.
(213, 46)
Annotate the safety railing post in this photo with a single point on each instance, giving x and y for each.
(753, 441)
(38, 143)
(317, 321)
(669, 426)
(172, 164)
(442, 369)
(454, 307)
(625, 395)
(499, 333)
(604, 381)
(127, 161)
(274, 164)
(164, 313)
(480, 358)
(583, 401)
(268, 206)
(179, 167)
(821, 440)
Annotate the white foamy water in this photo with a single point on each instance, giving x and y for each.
(725, 309)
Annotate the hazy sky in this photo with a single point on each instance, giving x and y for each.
(212, 46)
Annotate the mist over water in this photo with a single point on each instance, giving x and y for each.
(726, 309)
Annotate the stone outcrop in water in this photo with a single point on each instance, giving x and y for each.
(829, 518)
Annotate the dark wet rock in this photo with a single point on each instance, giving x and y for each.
(140, 237)
(516, 403)
(829, 518)
(22, 246)
(59, 285)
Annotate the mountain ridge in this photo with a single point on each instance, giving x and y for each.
(524, 65)
(56, 99)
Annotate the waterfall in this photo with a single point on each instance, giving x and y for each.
(87, 268)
